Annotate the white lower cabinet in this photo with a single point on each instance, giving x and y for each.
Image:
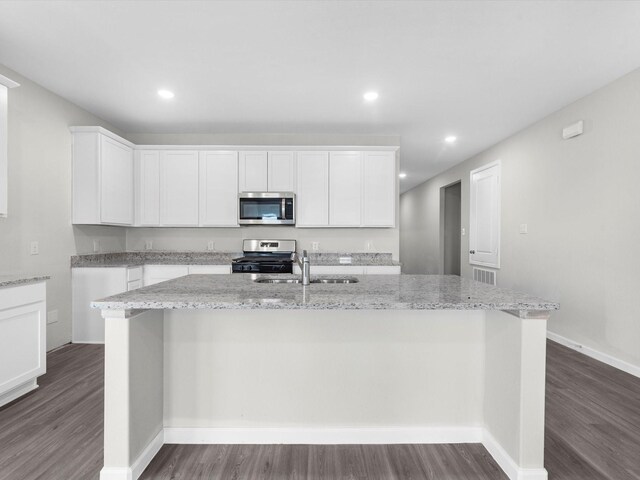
(161, 273)
(209, 269)
(89, 284)
(23, 311)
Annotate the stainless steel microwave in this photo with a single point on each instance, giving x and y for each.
(267, 208)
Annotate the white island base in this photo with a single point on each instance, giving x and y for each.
(283, 376)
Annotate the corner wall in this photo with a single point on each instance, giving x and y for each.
(581, 201)
(40, 197)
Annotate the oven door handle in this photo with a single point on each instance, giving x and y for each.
(283, 210)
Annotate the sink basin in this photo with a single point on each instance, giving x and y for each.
(278, 280)
(315, 280)
(334, 280)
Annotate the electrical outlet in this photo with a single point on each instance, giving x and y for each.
(148, 245)
(52, 317)
(315, 246)
(34, 248)
(369, 245)
(96, 246)
(211, 245)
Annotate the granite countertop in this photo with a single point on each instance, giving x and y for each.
(25, 279)
(372, 292)
(133, 259)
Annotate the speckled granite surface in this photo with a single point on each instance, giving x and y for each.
(14, 280)
(132, 259)
(381, 259)
(129, 259)
(372, 292)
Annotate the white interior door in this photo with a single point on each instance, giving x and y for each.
(484, 216)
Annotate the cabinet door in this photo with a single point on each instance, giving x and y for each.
(484, 216)
(116, 182)
(219, 189)
(209, 269)
(379, 189)
(312, 199)
(345, 189)
(179, 188)
(253, 172)
(281, 171)
(148, 191)
(161, 273)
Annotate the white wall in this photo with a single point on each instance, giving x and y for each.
(230, 239)
(581, 201)
(40, 197)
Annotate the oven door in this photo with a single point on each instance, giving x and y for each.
(266, 208)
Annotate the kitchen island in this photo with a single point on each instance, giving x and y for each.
(389, 359)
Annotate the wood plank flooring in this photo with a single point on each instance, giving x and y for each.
(55, 433)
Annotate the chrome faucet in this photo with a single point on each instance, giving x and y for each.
(305, 266)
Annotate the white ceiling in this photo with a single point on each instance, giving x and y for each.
(479, 70)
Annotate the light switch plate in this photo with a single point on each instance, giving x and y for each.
(315, 246)
(148, 245)
(524, 228)
(211, 245)
(34, 248)
(96, 246)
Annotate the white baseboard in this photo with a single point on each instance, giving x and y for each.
(508, 465)
(325, 436)
(322, 436)
(18, 391)
(88, 342)
(139, 464)
(590, 352)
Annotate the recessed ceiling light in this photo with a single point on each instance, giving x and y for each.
(370, 96)
(402, 175)
(166, 94)
(450, 139)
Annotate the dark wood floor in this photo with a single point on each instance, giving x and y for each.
(55, 433)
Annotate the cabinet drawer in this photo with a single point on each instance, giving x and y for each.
(134, 273)
(382, 270)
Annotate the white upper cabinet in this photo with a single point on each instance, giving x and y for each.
(218, 189)
(267, 171)
(179, 188)
(379, 189)
(102, 177)
(312, 199)
(148, 188)
(345, 189)
(253, 172)
(281, 171)
(484, 216)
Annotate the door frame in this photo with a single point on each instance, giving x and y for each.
(441, 225)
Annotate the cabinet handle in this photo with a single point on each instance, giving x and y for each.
(472, 252)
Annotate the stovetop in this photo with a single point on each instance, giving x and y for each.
(265, 256)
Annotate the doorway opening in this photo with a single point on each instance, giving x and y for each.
(450, 227)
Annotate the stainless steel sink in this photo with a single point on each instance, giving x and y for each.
(314, 280)
(334, 280)
(277, 280)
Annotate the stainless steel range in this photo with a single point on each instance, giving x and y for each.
(265, 256)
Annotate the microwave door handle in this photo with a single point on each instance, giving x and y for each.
(283, 209)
